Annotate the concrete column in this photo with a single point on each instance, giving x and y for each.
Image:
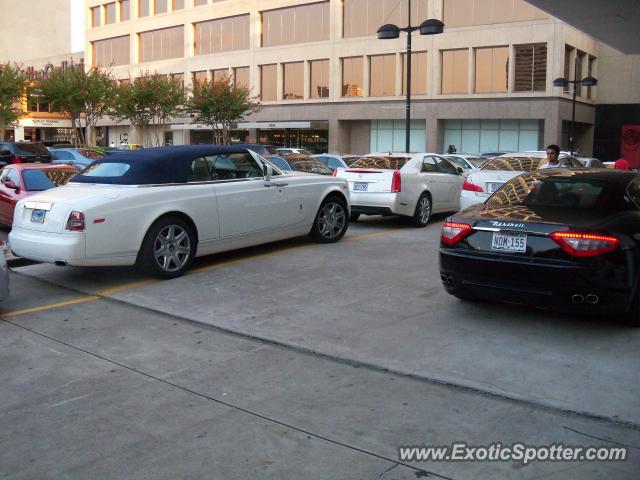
(433, 140)
(365, 76)
(18, 133)
(306, 76)
(338, 141)
(552, 127)
(511, 74)
(472, 71)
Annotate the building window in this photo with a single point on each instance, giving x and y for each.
(464, 13)
(364, 17)
(179, 77)
(222, 35)
(304, 23)
(143, 8)
(111, 52)
(531, 67)
(125, 10)
(382, 75)
(352, 77)
(198, 77)
(162, 44)
(492, 69)
(241, 77)
(177, 4)
(110, 13)
(293, 83)
(161, 6)
(197, 3)
(418, 73)
(219, 74)
(493, 135)
(455, 71)
(95, 16)
(319, 86)
(268, 82)
(390, 136)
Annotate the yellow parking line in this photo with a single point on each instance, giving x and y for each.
(128, 286)
(75, 301)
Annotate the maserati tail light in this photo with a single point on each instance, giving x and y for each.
(75, 223)
(453, 232)
(580, 244)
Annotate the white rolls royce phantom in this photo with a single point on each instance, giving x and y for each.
(158, 208)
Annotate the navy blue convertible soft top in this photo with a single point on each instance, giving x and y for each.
(159, 165)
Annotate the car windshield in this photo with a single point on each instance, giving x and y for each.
(389, 163)
(279, 162)
(458, 161)
(107, 169)
(476, 161)
(36, 180)
(538, 191)
(516, 164)
(309, 165)
(31, 149)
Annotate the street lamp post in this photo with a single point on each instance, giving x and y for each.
(390, 31)
(564, 83)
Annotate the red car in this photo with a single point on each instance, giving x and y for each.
(18, 181)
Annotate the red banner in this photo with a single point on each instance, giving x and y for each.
(630, 144)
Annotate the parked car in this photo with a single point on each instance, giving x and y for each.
(467, 162)
(564, 239)
(23, 152)
(589, 162)
(481, 183)
(23, 180)
(412, 185)
(302, 151)
(80, 158)
(259, 148)
(494, 153)
(331, 160)
(4, 275)
(301, 163)
(203, 199)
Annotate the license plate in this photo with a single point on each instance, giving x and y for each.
(37, 216)
(492, 187)
(509, 242)
(360, 186)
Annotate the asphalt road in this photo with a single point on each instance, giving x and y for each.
(297, 360)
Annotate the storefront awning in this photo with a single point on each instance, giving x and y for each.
(45, 122)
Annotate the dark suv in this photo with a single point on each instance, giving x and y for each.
(23, 152)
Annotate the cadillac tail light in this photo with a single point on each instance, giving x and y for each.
(453, 232)
(471, 187)
(75, 223)
(396, 182)
(579, 244)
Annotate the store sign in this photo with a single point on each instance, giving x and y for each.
(191, 126)
(272, 125)
(45, 122)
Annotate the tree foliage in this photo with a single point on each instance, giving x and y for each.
(220, 104)
(12, 83)
(80, 94)
(150, 99)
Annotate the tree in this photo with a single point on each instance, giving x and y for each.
(12, 83)
(220, 104)
(150, 99)
(79, 93)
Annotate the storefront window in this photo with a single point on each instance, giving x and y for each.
(492, 69)
(455, 71)
(293, 81)
(352, 78)
(220, 74)
(531, 67)
(390, 136)
(319, 70)
(268, 79)
(199, 76)
(418, 73)
(382, 75)
(298, 24)
(314, 140)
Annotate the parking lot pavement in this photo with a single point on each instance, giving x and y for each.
(106, 389)
(375, 299)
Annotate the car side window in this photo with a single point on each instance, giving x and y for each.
(429, 165)
(199, 171)
(13, 176)
(445, 167)
(232, 166)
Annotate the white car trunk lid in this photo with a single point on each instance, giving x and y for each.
(370, 180)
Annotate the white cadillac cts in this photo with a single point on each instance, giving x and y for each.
(159, 208)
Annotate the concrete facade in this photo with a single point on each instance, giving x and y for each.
(348, 118)
(35, 29)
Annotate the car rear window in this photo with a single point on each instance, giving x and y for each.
(516, 164)
(388, 163)
(310, 165)
(92, 154)
(31, 149)
(107, 169)
(561, 192)
(37, 180)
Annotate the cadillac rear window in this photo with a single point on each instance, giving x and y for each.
(517, 164)
(107, 170)
(388, 163)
